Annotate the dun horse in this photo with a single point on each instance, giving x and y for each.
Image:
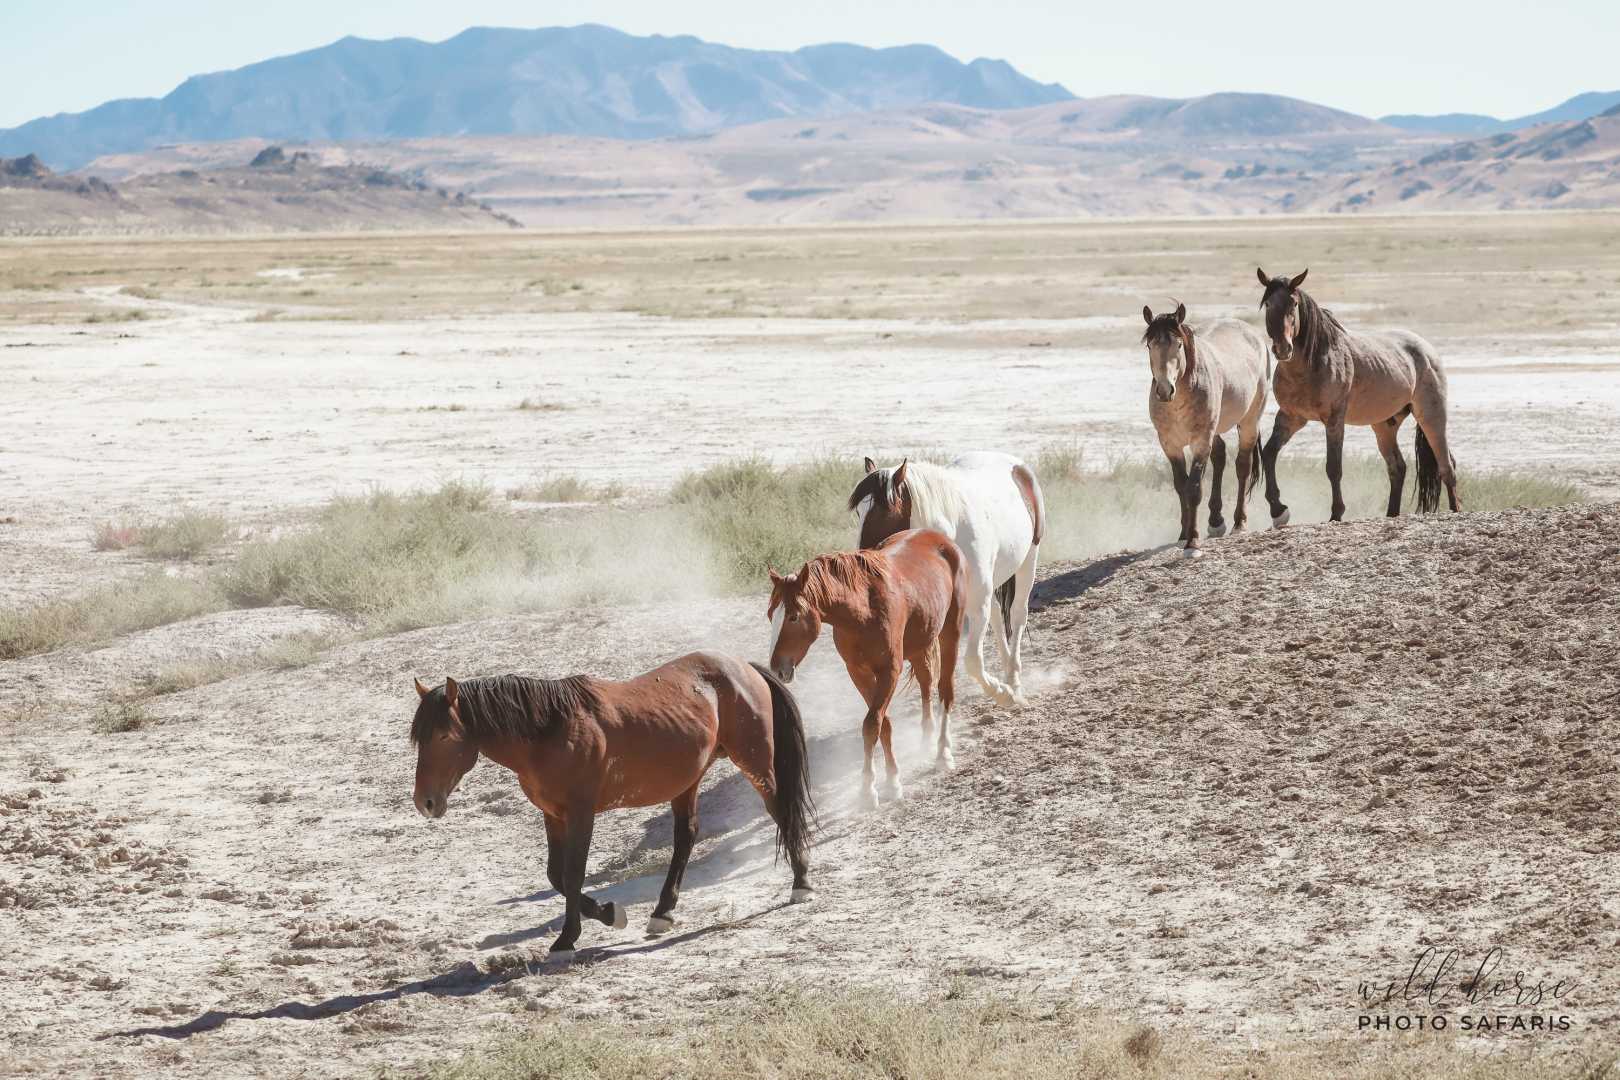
(581, 745)
(1206, 381)
(991, 506)
(1329, 374)
(901, 601)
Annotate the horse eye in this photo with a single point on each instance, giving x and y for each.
(793, 617)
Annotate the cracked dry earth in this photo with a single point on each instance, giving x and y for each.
(1242, 787)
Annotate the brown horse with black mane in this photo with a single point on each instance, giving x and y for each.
(902, 600)
(1339, 377)
(581, 745)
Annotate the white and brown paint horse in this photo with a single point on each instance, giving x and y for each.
(991, 506)
(1207, 380)
(1329, 374)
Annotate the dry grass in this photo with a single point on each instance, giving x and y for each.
(184, 535)
(870, 1035)
(564, 488)
(534, 404)
(287, 654)
(153, 600)
(121, 716)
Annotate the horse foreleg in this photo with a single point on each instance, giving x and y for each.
(685, 812)
(1390, 447)
(1195, 497)
(577, 828)
(1178, 477)
(1217, 468)
(1282, 429)
(1335, 464)
(980, 604)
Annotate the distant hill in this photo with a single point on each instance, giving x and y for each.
(276, 191)
(583, 80)
(1573, 165)
(1579, 107)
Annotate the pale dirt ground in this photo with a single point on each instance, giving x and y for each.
(1242, 786)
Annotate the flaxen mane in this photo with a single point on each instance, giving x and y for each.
(936, 503)
(505, 706)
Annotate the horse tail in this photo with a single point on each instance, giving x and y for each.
(1428, 475)
(795, 804)
(1004, 596)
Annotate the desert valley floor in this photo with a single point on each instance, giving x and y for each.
(1242, 786)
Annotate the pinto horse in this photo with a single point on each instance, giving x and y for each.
(582, 745)
(901, 601)
(1206, 380)
(1328, 373)
(991, 505)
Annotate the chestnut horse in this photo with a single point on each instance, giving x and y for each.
(1339, 377)
(582, 745)
(903, 600)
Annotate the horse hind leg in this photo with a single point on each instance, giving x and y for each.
(685, 812)
(979, 614)
(1389, 446)
(1017, 619)
(924, 668)
(1429, 409)
(1217, 466)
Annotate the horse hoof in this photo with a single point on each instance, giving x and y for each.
(894, 792)
(560, 957)
(947, 760)
(1280, 520)
(869, 799)
(801, 896)
(620, 919)
(660, 924)
(1192, 553)
(1217, 531)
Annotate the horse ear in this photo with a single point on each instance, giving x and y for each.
(1147, 314)
(422, 691)
(776, 579)
(1297, 282)
(871, 466)
(1181, 313)
(451, 692)
(899, 477)
(1261, 274)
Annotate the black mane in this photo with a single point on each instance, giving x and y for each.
(1163, 328)
(874, 484)
(1318, 327)
(504, 706)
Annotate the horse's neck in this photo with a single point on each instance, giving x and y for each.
(843, 605)
(1325, 335)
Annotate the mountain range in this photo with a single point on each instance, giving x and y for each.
(582, 80)
(1579, 107)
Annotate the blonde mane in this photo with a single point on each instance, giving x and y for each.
(936, 498)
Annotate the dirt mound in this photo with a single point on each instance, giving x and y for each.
(1243, 787)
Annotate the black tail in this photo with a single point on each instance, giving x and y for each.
(1004, 596)
(1428, 476)
(795, 805)
(1255, 465)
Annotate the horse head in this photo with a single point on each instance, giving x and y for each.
(1170, 349)
(1281, 303)
(795, 623)
(883, 503)
(444, 753)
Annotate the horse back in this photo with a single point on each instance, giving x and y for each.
(926, 574)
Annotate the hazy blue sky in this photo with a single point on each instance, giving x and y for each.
(1369, 56)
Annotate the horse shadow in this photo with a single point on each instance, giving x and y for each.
(465, 979)
(1072, 584)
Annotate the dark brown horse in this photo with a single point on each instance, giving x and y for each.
(581, 745)
(1327, 373)
(903, 600)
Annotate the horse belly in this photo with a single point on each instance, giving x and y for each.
(656, 762)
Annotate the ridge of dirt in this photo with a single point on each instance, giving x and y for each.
(1243, 786)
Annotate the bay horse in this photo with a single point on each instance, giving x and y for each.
(582, 745)
(1329, 374)
(903, 600)
(991, 506)
(1206, 381)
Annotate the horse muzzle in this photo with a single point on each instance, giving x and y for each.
(1282, 351)
(783, 671)
(432, 807)
(1163, 393)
